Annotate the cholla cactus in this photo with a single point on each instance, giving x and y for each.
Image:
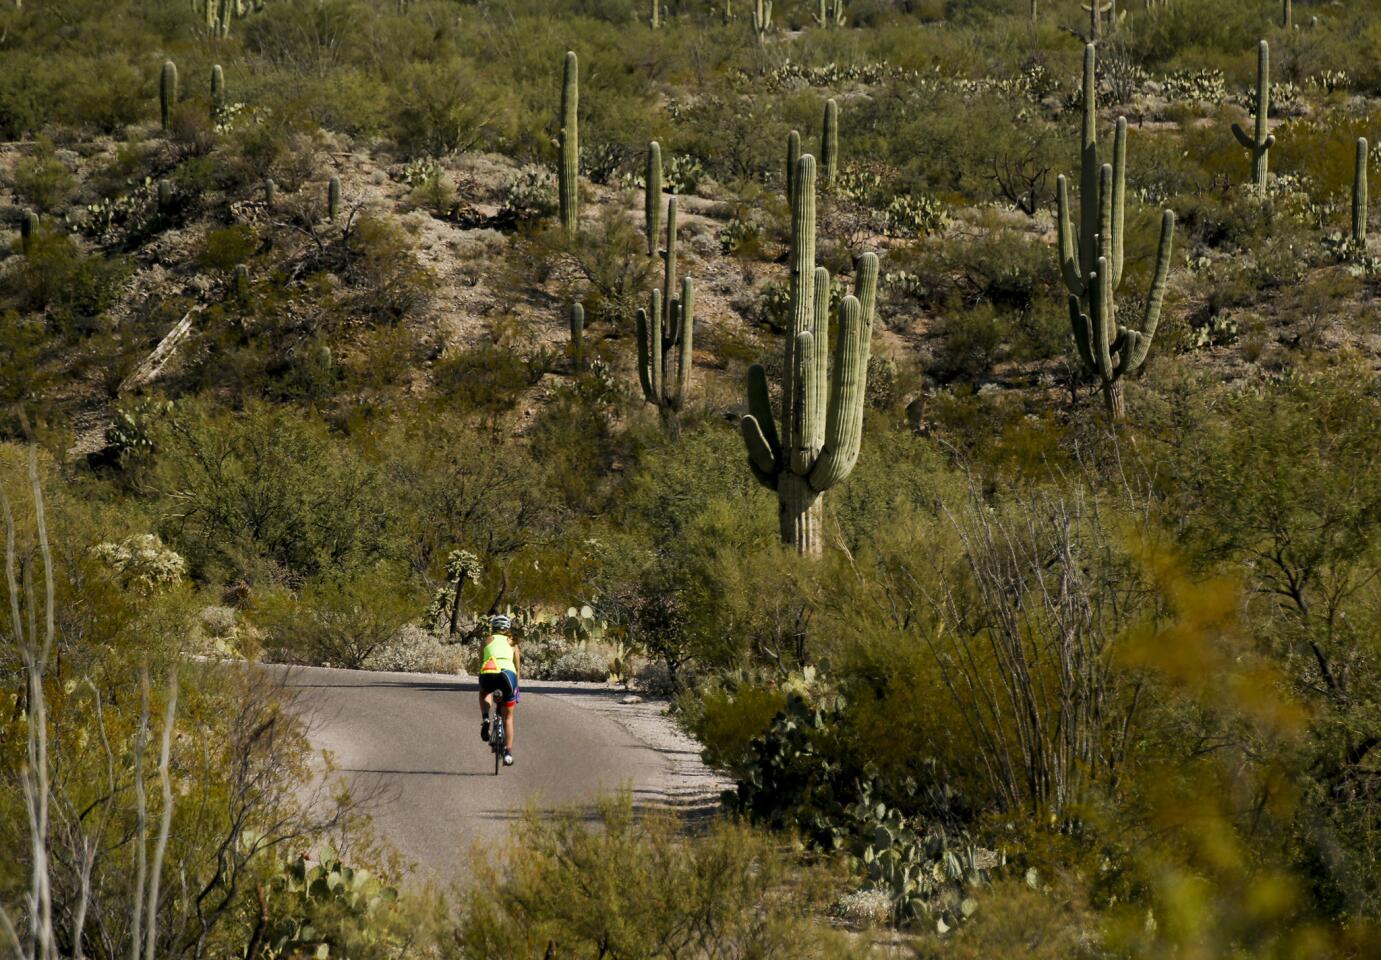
(822, 411)
(1359, 195)
(167, 93)
(462, 567)
(1261, 141)
(142, 563)
(666, 332)
(568, 185)
(1091, 259)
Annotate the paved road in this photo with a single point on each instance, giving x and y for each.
(412, 744)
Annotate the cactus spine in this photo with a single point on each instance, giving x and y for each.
(652, 199)
(793, 153)
(1261, 141)
(1359, 195)
(570, 148)
(167, 93)
(578, 335)
(666, 337)
(28, 231)
(1091, 260)
(822, 414)
(333, 199)
(829, 143)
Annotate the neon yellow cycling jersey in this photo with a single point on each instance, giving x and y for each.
(497, 655)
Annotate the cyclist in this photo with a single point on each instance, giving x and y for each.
(499, 666)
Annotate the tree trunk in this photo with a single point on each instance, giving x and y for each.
(455, 607)
(799, 510)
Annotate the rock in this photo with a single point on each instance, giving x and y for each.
(631, 699)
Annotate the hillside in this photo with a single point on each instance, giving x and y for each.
(966, 411)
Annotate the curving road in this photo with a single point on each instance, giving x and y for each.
(410, 745)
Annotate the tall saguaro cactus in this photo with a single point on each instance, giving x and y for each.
(28, 231)
(822, 409)
(829, 142)
(830, 13)
(167, 93)
(1091, 260)
(568, 182)
(333, 198)
(666, 338)
(1359, 195)
(577, 321)
(1287, 15)
(652, 195)
(1261, 140)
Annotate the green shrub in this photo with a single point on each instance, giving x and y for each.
(74, 289)
(448, 107)
(228, 247)
(631, 886)
(339, 623)
(42, 181)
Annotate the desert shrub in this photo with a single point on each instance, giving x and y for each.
(445, 108)
(390, 283)
(580, 664)
(41, 181)
(268, 486)
(334, 622)
(228, 247)
(413, 649)
(72, 288)
(630, 886)
(971, 342)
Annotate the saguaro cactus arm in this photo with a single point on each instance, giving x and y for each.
(844, 420)
(1136, 343)
(652, 199)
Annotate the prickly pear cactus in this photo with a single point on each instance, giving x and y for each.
(822, 408)
(308, 894)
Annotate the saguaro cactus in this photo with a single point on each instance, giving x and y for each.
(1359, 195)
(270, 192)
(652, 196)
(1091, 260)
(333, 199)
(829, 142)
(666, 338)
(822, 411)
(167, 93)
(762, 18)
(1287, 15)
(217, 90)
(28, 231)
(793, 153)
(1261, 140)
(577, 320)
(567, 183)
(1095, 13)
(830, 13)
(656, 16)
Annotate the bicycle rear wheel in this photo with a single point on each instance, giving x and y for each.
(496, 743)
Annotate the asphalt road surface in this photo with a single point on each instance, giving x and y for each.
(410, 745)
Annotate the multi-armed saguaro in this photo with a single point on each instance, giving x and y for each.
(666, 332)
(822, 411)
(1261, 140)
(830, 13)
(762, 17)
(1091, 259)
(568, 186)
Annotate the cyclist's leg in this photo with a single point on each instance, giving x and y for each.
(508, 698)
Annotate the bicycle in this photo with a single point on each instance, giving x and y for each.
(496, 737)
